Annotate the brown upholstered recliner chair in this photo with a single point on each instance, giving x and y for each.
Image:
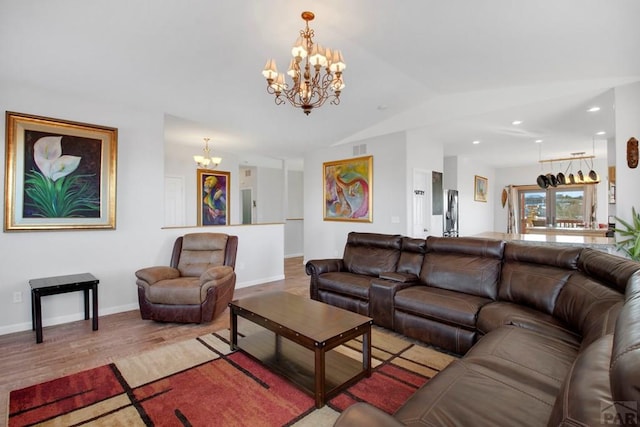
(197, 286)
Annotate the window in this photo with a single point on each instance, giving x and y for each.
(558, 207)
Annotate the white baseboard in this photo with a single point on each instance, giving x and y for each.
(294, 255)
(19, 327)
(259, 281)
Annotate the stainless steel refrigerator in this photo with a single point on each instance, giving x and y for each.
(450, 226)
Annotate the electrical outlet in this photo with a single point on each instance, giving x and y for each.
(17, 297)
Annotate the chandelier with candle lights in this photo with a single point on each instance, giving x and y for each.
(315, 72)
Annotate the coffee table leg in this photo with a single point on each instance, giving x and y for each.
(33, 311)
(86, 304)
(234, 330)
(366, 351)
(320, 377)
(38, 312)
(94, 295)
(278, 346)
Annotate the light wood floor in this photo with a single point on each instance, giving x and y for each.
(74, 347)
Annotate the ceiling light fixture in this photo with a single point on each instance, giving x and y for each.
(316, 79)
(601, 133)
(516, 122)
(206, 161)
(593, 109)
(476, 142)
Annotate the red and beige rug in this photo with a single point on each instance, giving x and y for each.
(200, 382)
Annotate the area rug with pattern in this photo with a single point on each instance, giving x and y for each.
(201, 382)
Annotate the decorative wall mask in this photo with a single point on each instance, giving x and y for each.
(632, 153)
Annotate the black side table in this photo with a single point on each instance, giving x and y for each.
(60, 285)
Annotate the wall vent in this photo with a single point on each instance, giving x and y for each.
(359, 150)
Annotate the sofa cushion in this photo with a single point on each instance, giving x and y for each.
(625, 357)
(355, 285)
(411, 256)
(453, 338)
(534, 275)
(610, 269)
(356, 305)
(464, 264)
(588, 306)
(467, 394)
(371, 254)
(586, 392)
(182, 290)
(500, 313)
(440, 304)
(201, 251)
(526, 356)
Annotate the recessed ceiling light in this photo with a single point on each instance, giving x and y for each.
(516, 122)
(476, 142)
(601, 133)
(593, 109)
(538, 141)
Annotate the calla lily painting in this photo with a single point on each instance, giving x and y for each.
(54, 191)
(60, 174)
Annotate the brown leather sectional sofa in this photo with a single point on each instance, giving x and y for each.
(550, 335)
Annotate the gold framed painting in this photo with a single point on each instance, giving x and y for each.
(213, 197)
(59, 174)
(348, 188)
(480, 188)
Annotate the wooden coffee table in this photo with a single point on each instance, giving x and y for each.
(296, 337)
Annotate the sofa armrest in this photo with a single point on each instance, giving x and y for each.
(363, 414)
(316, 267)
(152, 275)
(399, 277)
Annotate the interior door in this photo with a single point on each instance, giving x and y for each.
(421, 203)
(246, 195)
(174, 205)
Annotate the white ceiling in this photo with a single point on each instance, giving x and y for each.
(461, 69)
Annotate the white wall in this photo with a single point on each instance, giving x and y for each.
(326, 239)
(294, 224)
(474, 217)
(526, 175)
(111, 255)
(269, 195)
(627, 126)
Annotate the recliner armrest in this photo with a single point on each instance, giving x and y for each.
(152, 275)
(216, 273)
(363, 414)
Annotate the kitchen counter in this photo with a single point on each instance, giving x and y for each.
(606, 244)
(568, 231)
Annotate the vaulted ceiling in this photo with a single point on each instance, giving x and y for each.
(463, 70)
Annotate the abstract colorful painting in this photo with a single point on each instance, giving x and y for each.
(348, 188)
(213, 197)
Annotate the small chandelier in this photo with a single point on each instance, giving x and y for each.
(206, 161)
(314, 81)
